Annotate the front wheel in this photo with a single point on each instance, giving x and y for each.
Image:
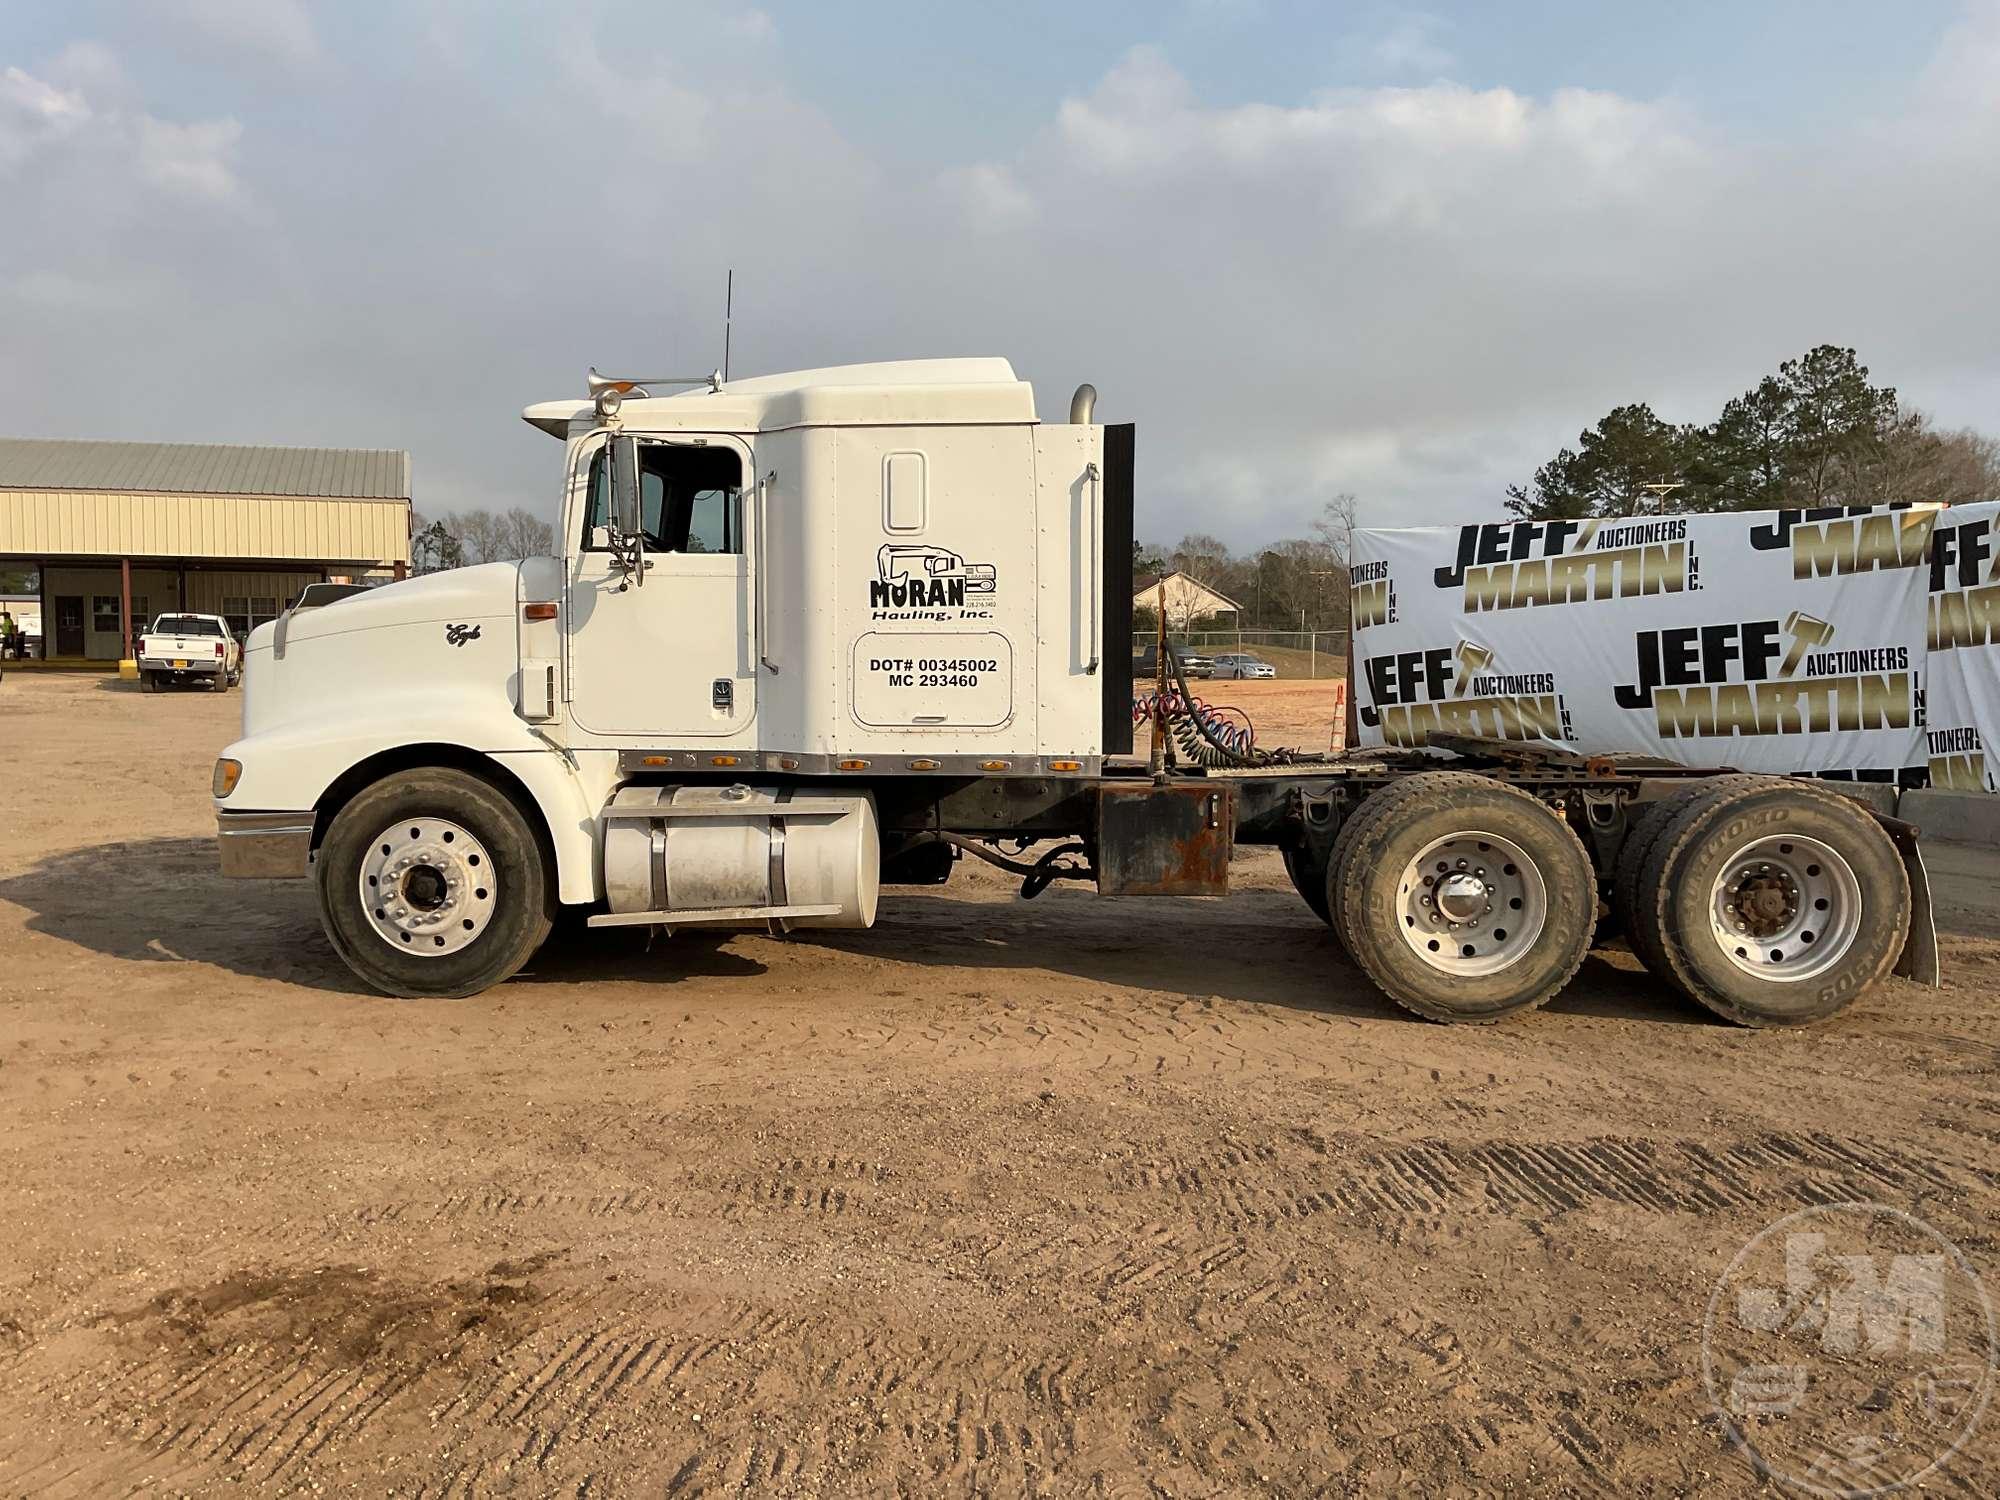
(1463, 898)
(432, 884)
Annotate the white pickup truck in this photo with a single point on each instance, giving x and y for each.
(190, 648)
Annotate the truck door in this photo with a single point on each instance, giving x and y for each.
(672, 658)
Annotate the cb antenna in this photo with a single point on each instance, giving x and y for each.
(728, 316)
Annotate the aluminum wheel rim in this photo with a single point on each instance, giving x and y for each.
(428, 886)
(1471, 904)
(1785, 908)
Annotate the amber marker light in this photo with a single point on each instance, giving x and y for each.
(546, 611)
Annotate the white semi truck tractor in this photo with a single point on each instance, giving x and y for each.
(812, 633)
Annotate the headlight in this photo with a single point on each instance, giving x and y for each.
(227, 774)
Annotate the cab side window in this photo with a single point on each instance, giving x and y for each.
(690, 499)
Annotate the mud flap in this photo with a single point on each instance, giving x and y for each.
(1919, 958)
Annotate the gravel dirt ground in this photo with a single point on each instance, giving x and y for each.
(1068, 1196)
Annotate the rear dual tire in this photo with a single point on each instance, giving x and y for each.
(1768, 901)
(1462, 898)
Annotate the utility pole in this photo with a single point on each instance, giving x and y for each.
(1659, 489)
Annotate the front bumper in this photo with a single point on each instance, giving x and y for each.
(264, 845)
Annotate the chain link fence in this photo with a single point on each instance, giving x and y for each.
(1294, 653)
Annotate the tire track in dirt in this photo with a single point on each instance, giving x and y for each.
(957, 1405)
(823, 1187)
(1251, 1186)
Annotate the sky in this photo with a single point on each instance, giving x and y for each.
(1308, 248)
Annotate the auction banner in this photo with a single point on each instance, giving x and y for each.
(1788, 640)
(1964, 636)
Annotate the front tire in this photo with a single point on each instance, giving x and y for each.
(432, 884)
(1463, 898)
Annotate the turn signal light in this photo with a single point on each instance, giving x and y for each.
(538, 611)
(1065, 765)
(854, 765)
(227, 774)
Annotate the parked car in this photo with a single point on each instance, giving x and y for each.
(1243, 664)
(1146, 663)
(189, 648)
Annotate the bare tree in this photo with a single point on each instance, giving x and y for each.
(524, 534)
(479, 534)
(1336, 523)
(1915, 460)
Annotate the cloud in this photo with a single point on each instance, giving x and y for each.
(56, 131)
(189, 160)
(36, 116)
(268, 30)
(1413, 44)
(1415, 292)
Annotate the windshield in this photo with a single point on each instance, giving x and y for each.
(186, 625)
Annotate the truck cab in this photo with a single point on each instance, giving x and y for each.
(810, 588)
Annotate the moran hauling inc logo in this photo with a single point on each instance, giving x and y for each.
(1849, 1350)
(1513, 565)
(1412, 694)
(1758, 677)
(922, 583)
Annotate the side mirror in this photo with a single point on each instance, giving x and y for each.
(625, 485)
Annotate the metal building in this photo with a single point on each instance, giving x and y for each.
(121, 532)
